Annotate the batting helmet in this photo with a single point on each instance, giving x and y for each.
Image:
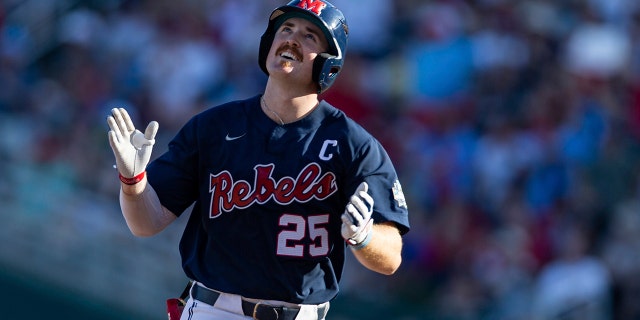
(334, 26)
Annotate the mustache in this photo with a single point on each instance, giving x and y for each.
(287, 47)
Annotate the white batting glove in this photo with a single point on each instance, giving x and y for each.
(131, 147)
(356, 219)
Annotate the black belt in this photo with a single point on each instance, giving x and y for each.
(257, 310)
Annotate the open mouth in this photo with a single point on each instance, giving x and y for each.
(289, 56)
(289, 53)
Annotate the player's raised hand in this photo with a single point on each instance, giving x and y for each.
(356, 219)
(131, 147)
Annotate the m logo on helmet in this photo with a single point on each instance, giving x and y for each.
(314, 6)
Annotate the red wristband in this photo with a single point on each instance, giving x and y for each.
(132, 181)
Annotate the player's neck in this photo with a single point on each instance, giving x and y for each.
(282, 107)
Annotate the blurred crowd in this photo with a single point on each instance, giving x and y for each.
(514, 126)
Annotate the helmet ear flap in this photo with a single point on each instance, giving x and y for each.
(325, 70)
(318, 65)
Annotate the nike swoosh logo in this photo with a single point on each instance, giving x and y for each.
(228, 138)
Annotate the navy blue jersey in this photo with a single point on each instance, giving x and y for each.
(268, 198)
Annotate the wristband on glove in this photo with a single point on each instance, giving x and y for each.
(132, 181)
(364, 243)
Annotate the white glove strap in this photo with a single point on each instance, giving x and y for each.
(362, 244)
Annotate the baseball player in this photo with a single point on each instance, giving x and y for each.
(281, 183)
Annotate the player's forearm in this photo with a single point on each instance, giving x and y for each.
(383, 253)
(142, 211)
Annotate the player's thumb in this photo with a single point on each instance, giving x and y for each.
(143, 141)
(151, 131)
(362, 187)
